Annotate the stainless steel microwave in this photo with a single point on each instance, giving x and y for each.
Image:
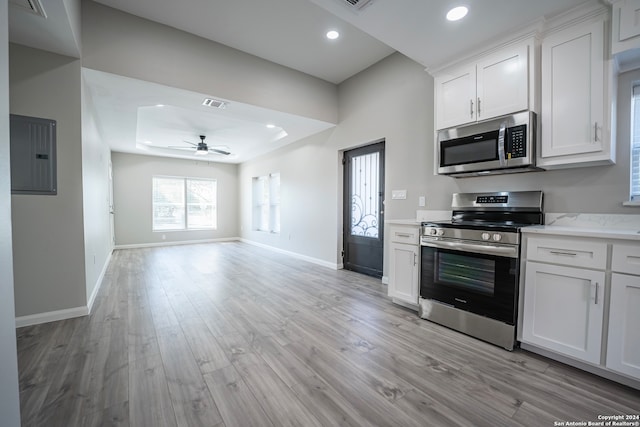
(503, 145)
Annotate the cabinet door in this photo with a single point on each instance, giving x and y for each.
(623, 345)
(502, 83)
(629, 14)
(563, 310)
(404, 278)
(456, 98)
(573, 89)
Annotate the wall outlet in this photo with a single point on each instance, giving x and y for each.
(164, 237)
(422, 201)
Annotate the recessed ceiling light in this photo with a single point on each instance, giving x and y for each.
(271, 126)
(159, 105)
(333, 34)
(457, 13)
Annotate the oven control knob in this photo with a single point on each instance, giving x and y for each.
(485, 236)
(440, 232)
(497, 237)
(432, 232)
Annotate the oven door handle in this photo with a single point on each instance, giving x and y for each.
(504, 251)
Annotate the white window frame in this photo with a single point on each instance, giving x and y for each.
(266, 203)
(634, 149)
(184, 204)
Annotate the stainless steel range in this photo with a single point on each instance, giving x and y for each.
(470, 265)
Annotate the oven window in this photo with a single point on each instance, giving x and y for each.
(469, 152)
(469, 273)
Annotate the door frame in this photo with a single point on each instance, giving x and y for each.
(345, 209)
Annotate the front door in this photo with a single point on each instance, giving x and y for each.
(364, 209)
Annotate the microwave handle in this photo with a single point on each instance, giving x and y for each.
(501, 148)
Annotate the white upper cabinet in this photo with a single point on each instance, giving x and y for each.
(490, 87)
(625, 34)
(502, 83)
(575, 119)
(456, 97)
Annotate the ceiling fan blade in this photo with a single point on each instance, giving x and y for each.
(217, 151)
(192, 143)
(178, 147)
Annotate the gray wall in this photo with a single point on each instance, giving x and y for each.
(96, 156)
(132, 184)
(126, 45)
(394, 100)
(9, 398)
(48, 242)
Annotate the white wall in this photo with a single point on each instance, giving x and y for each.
(308, 182)
(132, 186)
(123, 44)
(96, 156)
(48, 243)
(9, 397)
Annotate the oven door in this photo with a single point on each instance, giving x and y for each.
(482, 280)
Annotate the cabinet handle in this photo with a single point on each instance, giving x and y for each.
(478, 106)
(471, 107)
(563, 253)
(596, 300)
(403, 235)
(414, 259)
(595, 132)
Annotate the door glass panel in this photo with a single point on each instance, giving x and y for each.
(365, 200)
(470, 273)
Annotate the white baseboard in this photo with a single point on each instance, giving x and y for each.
(51, 316)
(98, 284)
(385, 280)
(333, 266)
(182, 242)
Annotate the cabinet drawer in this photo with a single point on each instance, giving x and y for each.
(626, 258)
(567, 251)
(409, 235)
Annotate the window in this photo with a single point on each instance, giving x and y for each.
(184, 203)
(635, 147)
(266, 197)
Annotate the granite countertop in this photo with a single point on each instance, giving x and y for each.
(601, 233)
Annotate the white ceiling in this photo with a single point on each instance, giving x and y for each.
(146, 118)
(287, 32)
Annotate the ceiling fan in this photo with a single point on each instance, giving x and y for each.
(202, 149)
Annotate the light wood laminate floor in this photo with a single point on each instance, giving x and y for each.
(228, 334)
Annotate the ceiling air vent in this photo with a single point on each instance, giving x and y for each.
(215, 103)
(358, 4)
(33, 6)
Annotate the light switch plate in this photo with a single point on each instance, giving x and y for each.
(422, 201)
(399, 194)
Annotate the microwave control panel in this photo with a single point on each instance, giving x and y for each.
(517, 146)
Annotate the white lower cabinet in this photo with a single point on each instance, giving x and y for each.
(404, 280)
(563, 310)
(623, 345)
(404, 268)
(580, 301)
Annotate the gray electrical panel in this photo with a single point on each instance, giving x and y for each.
(33, 155)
